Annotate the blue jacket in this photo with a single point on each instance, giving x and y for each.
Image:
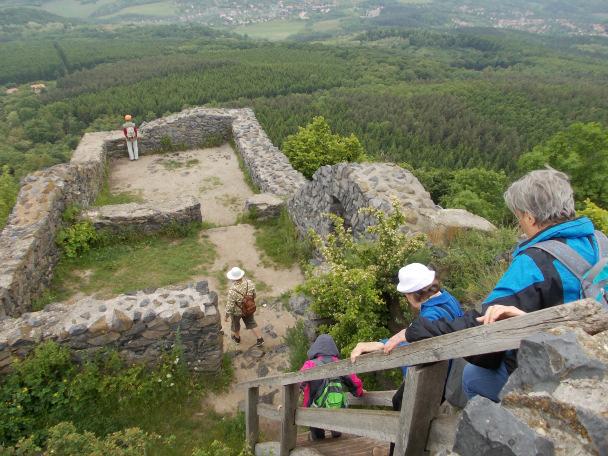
(534, 281)
(443, 306)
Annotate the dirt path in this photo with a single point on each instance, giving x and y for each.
(213, 176)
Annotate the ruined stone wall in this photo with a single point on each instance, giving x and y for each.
(141, 326)
(345, 188)
(145, 218)
(28, 252)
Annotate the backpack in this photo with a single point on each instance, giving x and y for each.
(131, 132)
(593, 278)
(332, 393)
(247, 306)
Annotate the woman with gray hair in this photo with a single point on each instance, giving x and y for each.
(543, 203)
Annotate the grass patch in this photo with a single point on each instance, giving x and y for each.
(278, 240)
(298, 344)
(171, 164)
(272, 30)
(106, 197)
(209, 183)
(128, 263)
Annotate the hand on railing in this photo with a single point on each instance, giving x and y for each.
(498, 312)
(394, 341)
(365, 347)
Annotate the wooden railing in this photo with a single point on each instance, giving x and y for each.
(424, 381)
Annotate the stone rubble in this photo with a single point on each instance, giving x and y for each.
(264, 205)
(141, 326)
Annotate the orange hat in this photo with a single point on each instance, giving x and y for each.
(128, 117)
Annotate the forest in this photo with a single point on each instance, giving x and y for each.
(430, 99)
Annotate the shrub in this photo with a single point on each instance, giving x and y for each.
(296, 340)
(9, 188)
(598, 216)
(77, 239)
(315, 146)
(356, 289)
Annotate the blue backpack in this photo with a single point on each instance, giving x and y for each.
(593, 278)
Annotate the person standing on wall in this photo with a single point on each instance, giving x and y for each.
(240, 304)
(130, 131)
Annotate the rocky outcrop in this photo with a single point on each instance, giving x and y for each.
(345, 188)
(556, 401)
(145, 218)
(141, 326)
(264, 205)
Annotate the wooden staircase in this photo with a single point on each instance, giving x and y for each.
(347, 445)
(363, 428)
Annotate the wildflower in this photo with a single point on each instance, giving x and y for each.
(169, 375)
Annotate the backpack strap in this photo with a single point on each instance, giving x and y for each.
(602, 243)
(565, 255)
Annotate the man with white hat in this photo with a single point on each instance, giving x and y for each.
(240, 290)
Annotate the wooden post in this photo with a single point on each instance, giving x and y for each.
(421, 398)
(252, 421)
(289, 430)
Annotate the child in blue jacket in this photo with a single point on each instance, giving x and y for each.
(424, 293)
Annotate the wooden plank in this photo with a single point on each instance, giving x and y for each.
(373, 398)
(289, 430)
(269, 412)
(503, 335)
(375, 424)
(421, 397)
(252, 421)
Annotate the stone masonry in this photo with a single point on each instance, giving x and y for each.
(28, 252)
(145, 218)
(345, 188)
(141, 326)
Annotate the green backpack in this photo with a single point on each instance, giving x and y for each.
(332, 392)
(332, 395)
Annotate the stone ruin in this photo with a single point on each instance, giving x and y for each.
(345, 188)
(141, 326)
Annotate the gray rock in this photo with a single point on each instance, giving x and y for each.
(299, 303)
(202, 287)
(264, 205)
(102, 308)
(144, 302)
(488, 428)
(262, 370)
(75, 330)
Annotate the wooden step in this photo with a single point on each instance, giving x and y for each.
(346, 445)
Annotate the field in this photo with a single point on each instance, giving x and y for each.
(272, 30)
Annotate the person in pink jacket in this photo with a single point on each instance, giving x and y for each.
(323, 351)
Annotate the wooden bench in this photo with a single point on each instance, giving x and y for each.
(425, 380)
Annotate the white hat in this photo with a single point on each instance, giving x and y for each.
(414, 277)
(235, 273)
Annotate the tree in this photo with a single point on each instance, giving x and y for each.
(581, 151)
(479, 191)
(315, 146)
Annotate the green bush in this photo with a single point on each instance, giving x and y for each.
(356, 288)
(598, 216)
(9, 188)
(315, 146)
(77, 238)
(298, 343)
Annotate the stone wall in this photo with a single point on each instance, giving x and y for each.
(141, 326)
(345, 188)
(555, 403)
(28, 252)
(145, 218)
(268, 167)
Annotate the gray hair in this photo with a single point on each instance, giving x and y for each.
(546, 194)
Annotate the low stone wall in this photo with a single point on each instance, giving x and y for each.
(555, 403)
(28, 252)
(345, 188)
(145, 218)
(268, 167)
(141, 326)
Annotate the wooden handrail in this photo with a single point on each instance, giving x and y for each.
(507, 334)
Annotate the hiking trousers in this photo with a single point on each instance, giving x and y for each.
(133, 150)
